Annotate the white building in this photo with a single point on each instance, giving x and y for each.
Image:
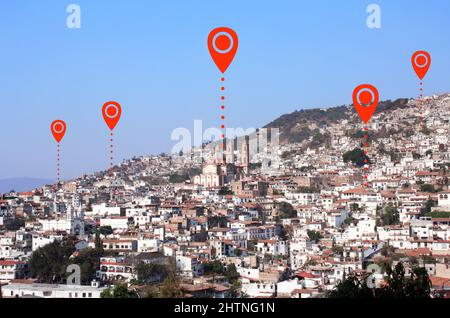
(188, 265)
(15, 290)
(148, 244)
(102, 209)
(73, 223)
(113, 268)
(10, 270)
(115, 222)
(254, 290)
(444, 200)
(42, 240)
(273, 247)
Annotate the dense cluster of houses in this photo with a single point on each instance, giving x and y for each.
(292, 229)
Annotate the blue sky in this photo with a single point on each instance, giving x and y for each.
(152, 57)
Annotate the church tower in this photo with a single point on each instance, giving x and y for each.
(245, 155)
(230, 151)
(55, 209)
(75, 220)
(69, 214)
(217, 154)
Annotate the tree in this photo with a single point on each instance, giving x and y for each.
(287, 210)
(314, 235)
(389, 215)
(351, 287)
(225, 191)
(438, 214)
(89, 262)
(307, 190)
(119, 291)
(337, 249)
(178, 178)
(425, 130)
(251, 245)
(398, 285)
(215, 267)
(231, 274)
(98, 243)
(349, 220)
(171, 287)
(217, 221)
(284, 235)
(143, 272)
(357, 157)
(151, 272)
(194, 171)
(417, 285)
(427, 208)
(105, 230)
(48, 263)
(427, 188)
(151, 292)
(14, 224)
(354, 207)
(89, 229)
(387, 250)
(235, 288)
(319, 139)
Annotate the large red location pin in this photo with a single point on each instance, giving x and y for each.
(421, 61)
(222, 45)
(58, 128)
(111, 113)
(365, 99)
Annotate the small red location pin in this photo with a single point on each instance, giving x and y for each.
(421, 61)
(58, 128)
(222, 45)
(365, 99)
(111, 113)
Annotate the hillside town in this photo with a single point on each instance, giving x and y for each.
(291, 220)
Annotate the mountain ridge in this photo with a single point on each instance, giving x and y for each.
(295, 127)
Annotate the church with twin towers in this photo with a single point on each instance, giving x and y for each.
(230, 159)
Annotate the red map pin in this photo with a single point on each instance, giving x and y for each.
(365, 99)
(111, 113)
(58, 128)
(421, 61)
(222, 45)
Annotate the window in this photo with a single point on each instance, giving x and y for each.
(84, 295)
(90, 295)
